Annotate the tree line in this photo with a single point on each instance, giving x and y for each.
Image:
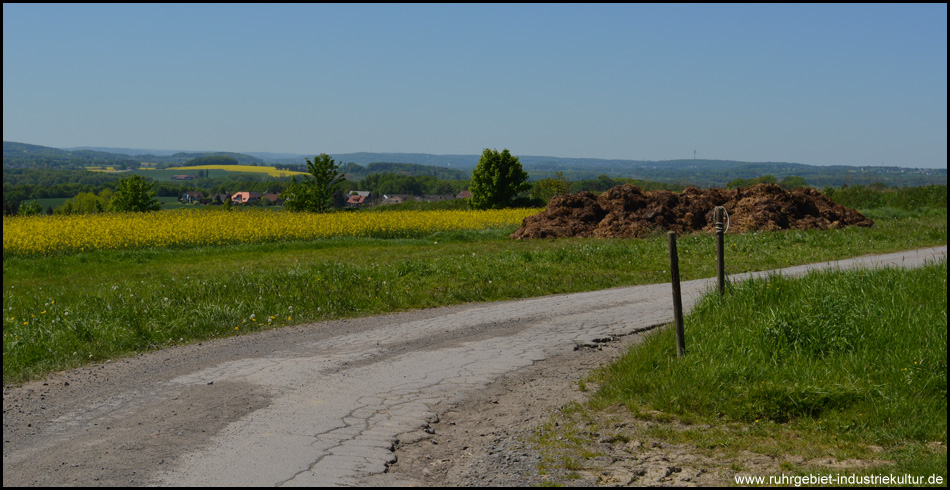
(497, 181)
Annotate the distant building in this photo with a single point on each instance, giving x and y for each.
(358, 199)
(395, 198)
(219, 198)
(190, 197)
(245, 197)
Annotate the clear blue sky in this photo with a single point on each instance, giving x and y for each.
(816, 84)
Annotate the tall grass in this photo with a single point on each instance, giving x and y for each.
(860, 355)
(65, 310)
(863, 197)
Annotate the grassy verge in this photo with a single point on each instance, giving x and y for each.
(68, 310)
(809, 372)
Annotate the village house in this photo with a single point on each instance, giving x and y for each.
(219, 198)
(358, 199)
(191, 197)
(245, 197)
(395, 198)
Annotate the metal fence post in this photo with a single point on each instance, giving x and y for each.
(720, 251)
(677, 297)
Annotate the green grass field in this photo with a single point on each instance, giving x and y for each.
(826, 366)
(843, 365)
(167, 174)
(55, 202)
(65, 311)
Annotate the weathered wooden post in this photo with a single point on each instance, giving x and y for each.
(677, 297)
(720, 252)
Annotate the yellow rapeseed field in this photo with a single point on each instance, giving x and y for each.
(46, 235)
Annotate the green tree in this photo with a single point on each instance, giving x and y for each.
(87, 203)
(31, 208)
(134, 194)
(497, 180)
(315, 193)
(792, 181)
(545, 189)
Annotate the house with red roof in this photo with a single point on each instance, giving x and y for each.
(358, 199)
(245, 197)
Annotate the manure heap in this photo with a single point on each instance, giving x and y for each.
(626, 211)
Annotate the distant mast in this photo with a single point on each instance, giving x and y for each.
(694, 154)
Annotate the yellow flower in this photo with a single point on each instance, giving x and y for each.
(65, 233)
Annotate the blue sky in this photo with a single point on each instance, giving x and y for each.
(817, 84)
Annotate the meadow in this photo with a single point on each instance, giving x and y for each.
(166, 174)
(833, 365)
(168, 203)
(846, 366)
(114, 285)
(255, 169)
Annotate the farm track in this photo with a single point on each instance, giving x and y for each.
(430, 397)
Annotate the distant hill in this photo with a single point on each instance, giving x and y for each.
(182, 158)
(175, 157)
(356, 171)
(127, 151)
(701, 173)
(22, 155)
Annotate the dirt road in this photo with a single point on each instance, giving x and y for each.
(348, 402)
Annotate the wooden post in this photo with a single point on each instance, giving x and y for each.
(720, 251)
(677, 297)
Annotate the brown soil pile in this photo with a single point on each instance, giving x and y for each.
(627, 212)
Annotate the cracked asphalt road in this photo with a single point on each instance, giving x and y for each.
(316, 404)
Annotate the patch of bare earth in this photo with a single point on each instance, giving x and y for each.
(523, 430)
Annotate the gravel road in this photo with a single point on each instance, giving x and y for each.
(348, 402)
